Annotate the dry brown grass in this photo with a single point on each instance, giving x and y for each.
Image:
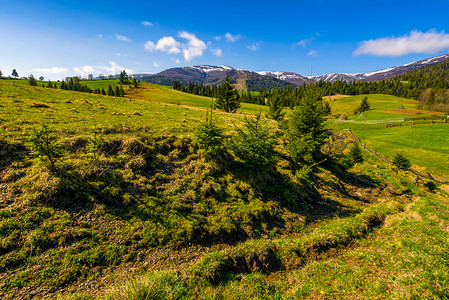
(335, 97)
(412, 112)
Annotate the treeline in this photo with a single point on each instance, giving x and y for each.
(74, 84)
(212, 90)
(196, 89)
(266, 83)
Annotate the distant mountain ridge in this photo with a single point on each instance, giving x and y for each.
(249, 80)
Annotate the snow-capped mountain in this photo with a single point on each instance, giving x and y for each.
(381, 74)
(286, 76)
(208, 74)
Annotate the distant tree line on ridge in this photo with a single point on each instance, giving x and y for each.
(429, 85)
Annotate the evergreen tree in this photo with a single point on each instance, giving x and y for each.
(123, 77)
(32, 81)
(14, 73)
(364, 105)
(209, 137)
(355, 153)
(306, 130)
(276, 108)
(327, 109)
(117, 91)
(401, 162)
(122, 92)
(110, 91)
(227, 97)
(103, 92)
(1, 74)
(254, 145)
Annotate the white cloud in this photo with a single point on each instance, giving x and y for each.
(113, 68)
(122, 54)
(217, 52)
(84, 70)
(168, 44)
(53, 70)
(312, 53)
(156, 64)
(149, 46)
(122, 38)
(304, 42)
(429, 42)
(147, 24)
(99, 36)
(193, 48)
(232, 38)
(254, 47)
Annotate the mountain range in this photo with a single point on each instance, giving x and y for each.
(252, 81)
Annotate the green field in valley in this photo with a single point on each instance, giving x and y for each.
(427, 145)
(384, 108)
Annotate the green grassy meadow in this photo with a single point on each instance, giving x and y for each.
(134, 209)
(384, 108)
(426, 145)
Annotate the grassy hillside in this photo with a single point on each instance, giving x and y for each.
(133, 208)
(165, 94)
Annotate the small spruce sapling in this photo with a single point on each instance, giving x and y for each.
(401, 162)
(95, 144)
(43, 143)
(276, 109)
(355, 153)
(209, 136)
(254, 144)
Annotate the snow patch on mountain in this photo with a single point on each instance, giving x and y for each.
(208, 68)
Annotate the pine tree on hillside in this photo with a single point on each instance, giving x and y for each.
(1, 74)
(227, 97)
(327, 109)
(307, 130)
(123, 77)
(276, 108)
(14, 73)
(110, 91)
(32, 81)
(401, 162)
(355, 153)
(364, 105)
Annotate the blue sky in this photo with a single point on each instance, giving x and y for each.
(61, 38)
